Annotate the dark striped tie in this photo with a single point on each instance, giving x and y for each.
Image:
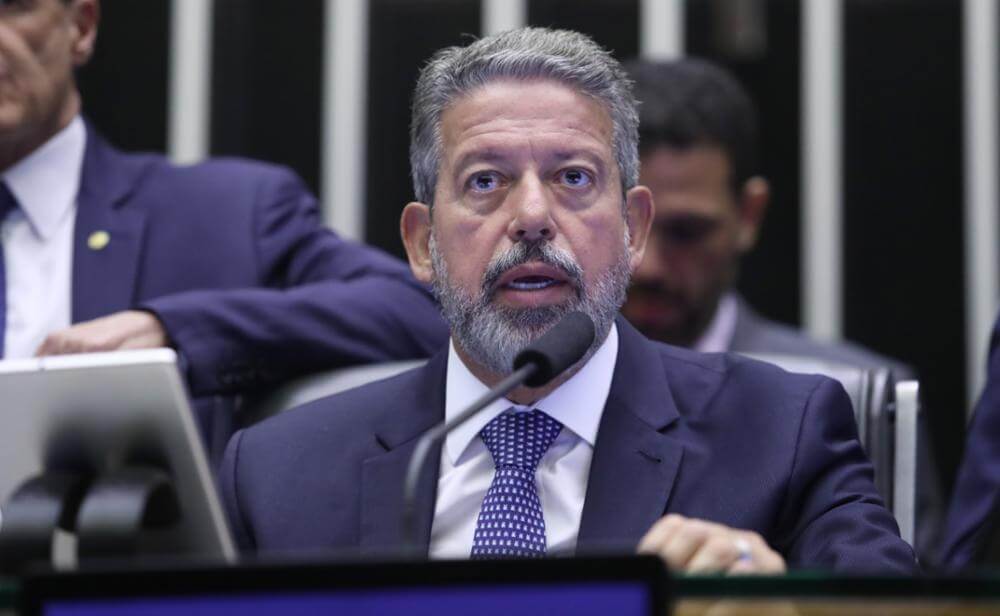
(8, 203)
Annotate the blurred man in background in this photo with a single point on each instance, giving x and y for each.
(226, 261)
(698, 147)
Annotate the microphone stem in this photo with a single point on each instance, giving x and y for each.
(435, 435)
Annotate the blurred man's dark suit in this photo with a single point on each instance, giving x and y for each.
(231, 255)
(756, 334)
(975, 504)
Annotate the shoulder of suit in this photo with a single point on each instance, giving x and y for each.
(153, 171)
(696, 379)
(342, 412)
(221, 171)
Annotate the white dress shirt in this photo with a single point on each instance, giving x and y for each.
(38, 240)
(718, 336)
(467, 467)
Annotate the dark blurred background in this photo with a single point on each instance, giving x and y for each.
(903, 196)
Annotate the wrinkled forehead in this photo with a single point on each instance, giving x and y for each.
(519, 112)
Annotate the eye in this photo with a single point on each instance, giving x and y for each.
(484, 181)
(574, 177)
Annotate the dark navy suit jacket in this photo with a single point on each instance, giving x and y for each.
(231, 255)
(976, 498)
(717, 437)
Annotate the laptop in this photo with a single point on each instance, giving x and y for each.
(93, 413)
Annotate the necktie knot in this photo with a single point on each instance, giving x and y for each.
(519, 440)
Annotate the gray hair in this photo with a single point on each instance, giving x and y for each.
(568, 57)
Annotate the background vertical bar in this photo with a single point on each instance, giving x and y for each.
(982, 280)
(661, 29)
(822, 230)
(345, 79)
(190, 80)
(501, 15)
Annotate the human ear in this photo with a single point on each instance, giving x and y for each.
(415, 229)
(754, 199)
(639, 219)
(84, 17)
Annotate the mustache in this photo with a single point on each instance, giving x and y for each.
(541, 251)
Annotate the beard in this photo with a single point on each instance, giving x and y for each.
(492, 335)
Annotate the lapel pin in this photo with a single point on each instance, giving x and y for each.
(98, 240)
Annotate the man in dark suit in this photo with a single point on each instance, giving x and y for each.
(525, 164)
(698, 147)
(971, 530)
(226, 261)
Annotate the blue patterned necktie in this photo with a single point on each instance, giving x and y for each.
(7, 205)
(510, 523)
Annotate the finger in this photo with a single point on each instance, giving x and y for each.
(54, 344)
(719, 553)
(770, 561)
(762, 559)
(744, 567)
(660, 533)
(687, 540)
(45, 348)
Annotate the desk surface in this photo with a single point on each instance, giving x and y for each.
(834, 607)
(804, 594)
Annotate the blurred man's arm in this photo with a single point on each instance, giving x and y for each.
(322, 302)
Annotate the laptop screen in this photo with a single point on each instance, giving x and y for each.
(618, 586)
(620, 599)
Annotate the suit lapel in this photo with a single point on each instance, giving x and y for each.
(107, 239)
(635, 463)
(383, 475)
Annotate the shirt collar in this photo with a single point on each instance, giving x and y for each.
(718, 336)
(46, 182)
(578, 403)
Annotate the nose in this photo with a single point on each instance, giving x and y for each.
(532, 220)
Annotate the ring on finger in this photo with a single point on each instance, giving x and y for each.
(743, 549)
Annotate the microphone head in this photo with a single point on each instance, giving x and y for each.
(557, 349)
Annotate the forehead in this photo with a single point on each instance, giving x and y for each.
(514, 114)
(677, 176)
(699, 166)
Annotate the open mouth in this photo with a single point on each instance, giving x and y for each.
(532, 276)
(532, 283)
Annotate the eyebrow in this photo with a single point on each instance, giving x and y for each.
(496, 155)
(475, 156)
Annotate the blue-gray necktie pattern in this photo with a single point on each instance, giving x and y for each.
(510, 523)
(8, 203)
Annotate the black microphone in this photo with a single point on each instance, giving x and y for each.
(558, 349)
(536, 365)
